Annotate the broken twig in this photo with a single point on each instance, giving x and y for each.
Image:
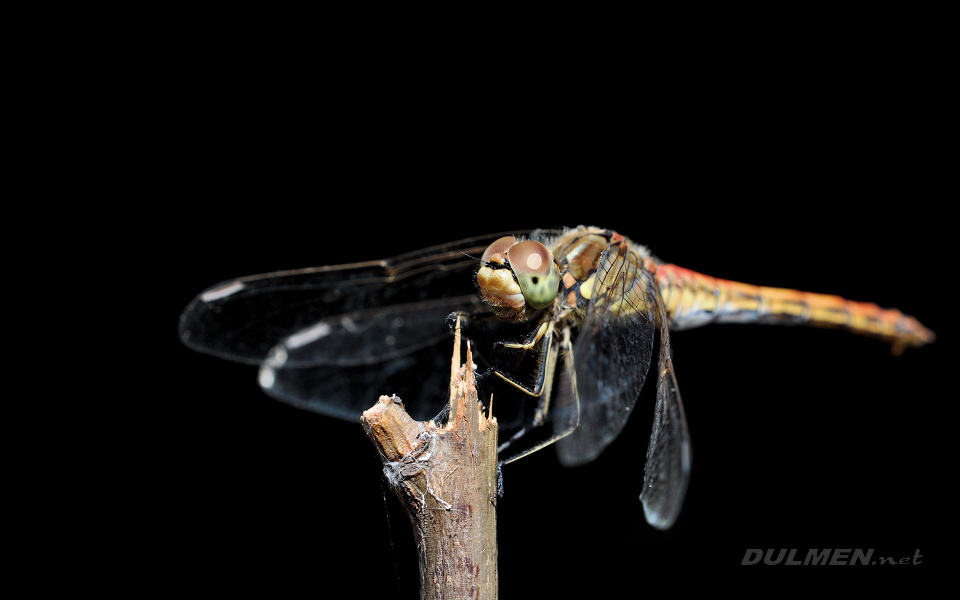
(446, 478)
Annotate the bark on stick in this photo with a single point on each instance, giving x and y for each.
(446, 478)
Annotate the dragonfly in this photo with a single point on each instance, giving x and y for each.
(570, 319)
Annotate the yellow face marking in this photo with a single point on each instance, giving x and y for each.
(498, 288)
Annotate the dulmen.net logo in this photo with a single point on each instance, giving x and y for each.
(824, 556)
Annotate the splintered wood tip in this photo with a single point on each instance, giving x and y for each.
(391, 429)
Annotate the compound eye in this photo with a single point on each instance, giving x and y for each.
(497, 251)
(536, 272)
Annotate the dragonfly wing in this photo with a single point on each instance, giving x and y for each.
(243, 319)
(667, 468)
(331, 339)
(612, 355)
(340, 365)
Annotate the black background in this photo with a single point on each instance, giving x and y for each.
(810, 172)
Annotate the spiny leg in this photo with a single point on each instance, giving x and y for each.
(533, 338)
(568, 389)
(570, 392)
(544, 383)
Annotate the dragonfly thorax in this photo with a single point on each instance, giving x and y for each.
(518, 279)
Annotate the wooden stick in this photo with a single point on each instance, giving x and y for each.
(446, 478)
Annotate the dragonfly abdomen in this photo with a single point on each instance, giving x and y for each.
(693, 299)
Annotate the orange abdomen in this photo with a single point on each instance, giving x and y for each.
(693, 299)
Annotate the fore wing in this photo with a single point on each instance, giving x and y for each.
(329, 339)
(243, 319)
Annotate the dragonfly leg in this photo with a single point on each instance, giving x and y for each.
(542, 388)
(569, 391)
(533, 339)
(481, 376)
(545, 332)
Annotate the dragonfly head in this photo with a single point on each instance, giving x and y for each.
(518, 279)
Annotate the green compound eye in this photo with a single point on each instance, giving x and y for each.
(536, 272)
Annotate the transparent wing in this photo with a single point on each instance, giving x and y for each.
(667, 468)
(612, 355)
(387, 351)
(331, 339)
(243, 319)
